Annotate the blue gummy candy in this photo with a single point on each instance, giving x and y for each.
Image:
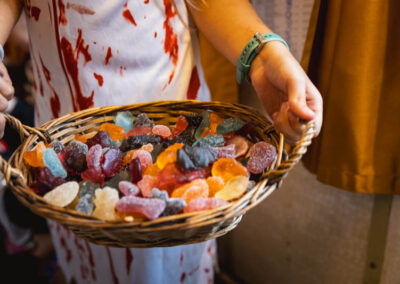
(54, 164)
(125, 120)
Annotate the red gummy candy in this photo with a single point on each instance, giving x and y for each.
(262, 155)
(139, 130)
(102, 138)
(161, 130)
(147, 183)
(111, 162)
(93, 160)
(45, 181)
(172, 176)
(145, 158)
(181, 124)
(201, 203)
(149, 207)
(135, 168)
(93, 175)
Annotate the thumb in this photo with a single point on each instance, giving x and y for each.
(297, 99)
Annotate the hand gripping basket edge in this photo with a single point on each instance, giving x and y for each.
(165, 231)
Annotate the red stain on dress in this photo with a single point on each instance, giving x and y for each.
(146, 1)
(194, 85)
(114, 275)
(71, 63)
(32, 11)
(62, 18)
(128, 17)
(64, 245)
(121, 68)
(129, 259)
(99, 79)
(81, 9)
(194, 270)
(209, 250)
(82, 258)
(81, 48)
(171, 39)
(206, 270)
(181, 259)
(108, 56)
(91, 260)
(54, 100)
(183, 277)
(155, 34)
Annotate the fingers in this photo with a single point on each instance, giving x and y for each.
(297, 98)
(6, 88)
(287, 123)
(2, 125)
(314, 101)
(3, 104)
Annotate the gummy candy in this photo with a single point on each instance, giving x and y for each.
(80, 138)
(262, 155)
(93, 159)
(153, 170)
(139, 130)
(226, 151)
(116, 132)
(168, 156)
(35, 158)
(85, 204)
(63, 194)
(124, 119)
(111, 162)
(135, 168)
(215, 184)
(158, 148)
(161, 130)
(80, 146)
(194, 189)
(194, 119)
(228, 168)
(105, 201)
(194, 158)
(143, 120)
(233, 189)
(202, 203)
(88, 187)
(214, 121)
(45, 181)
(229, 125)
(138, 141)
(180, 126)
(147, 183)
(215, 140)
(248, 131)
(122, 175)
(52, 161)
(174, 205)
(74, 160)
(128, 188)
(171, 176)
(149, 207)
(101, 138)
(241, 145)
(205, 123)
(144, 157)
(57, 146)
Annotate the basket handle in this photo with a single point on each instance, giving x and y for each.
(24, 131)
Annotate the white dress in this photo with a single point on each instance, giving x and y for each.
(91, 53)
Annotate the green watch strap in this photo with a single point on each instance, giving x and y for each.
(250, 51)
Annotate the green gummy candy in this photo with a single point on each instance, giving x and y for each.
(229, 125)
(214, 140)
(205, 123)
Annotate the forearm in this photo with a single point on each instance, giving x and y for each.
(228, 25)
(9, 14)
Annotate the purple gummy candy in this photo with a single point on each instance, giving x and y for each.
(111, 162)
(149, 207)
(45, 181)
(102, 138)
(74, 160)
(128, 188)
(262, 155)
(226, 151)
(135, 168)
(93, 157)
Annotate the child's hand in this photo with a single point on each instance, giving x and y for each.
(286, 92)
(6, 94)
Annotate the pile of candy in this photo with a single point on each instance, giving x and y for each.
(134, 169)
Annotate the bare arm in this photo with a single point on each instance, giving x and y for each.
(281, 84)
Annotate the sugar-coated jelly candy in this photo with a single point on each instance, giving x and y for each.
(57, 146)
(205, 123)
(161, 130)
(63, 194)
(228, 151)
(102, 138)
(111, 162)
(124, 119)
(135, 168)
(85, 204)
(153, 170)
(128, 188)
(35, 158)
(145, 158)
(172, 176)
(227, 168)
(168, 156)
(116, 132)
(88, 187)
(194, 189)
(149, 207)
(229, 125)
(80, 146)
(194, 158)
(105, 201)
(215, 184)
(120, 176)
(214, 121)
(241, 145)
(139, 130)
(147, 183)
(180, 126)
(215, 140)
(80, 138)
(93, 159)
(138, 141)
(174, 205)
(74, 160)
(143, 120)
(233, 189)
(201, 203)
(262, 155)
(45, 180)
(52, 161)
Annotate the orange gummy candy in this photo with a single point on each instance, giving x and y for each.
(228, 168)
(81, 138)
(195, 189)
(35, 158)
(153, 170)
(214, 121)
(116, 132)
(214, 184)
(168, 155)
(130, 154)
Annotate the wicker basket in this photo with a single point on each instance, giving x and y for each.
(165, 231)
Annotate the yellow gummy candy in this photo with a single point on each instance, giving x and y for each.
(168, 155)
(233, 189)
